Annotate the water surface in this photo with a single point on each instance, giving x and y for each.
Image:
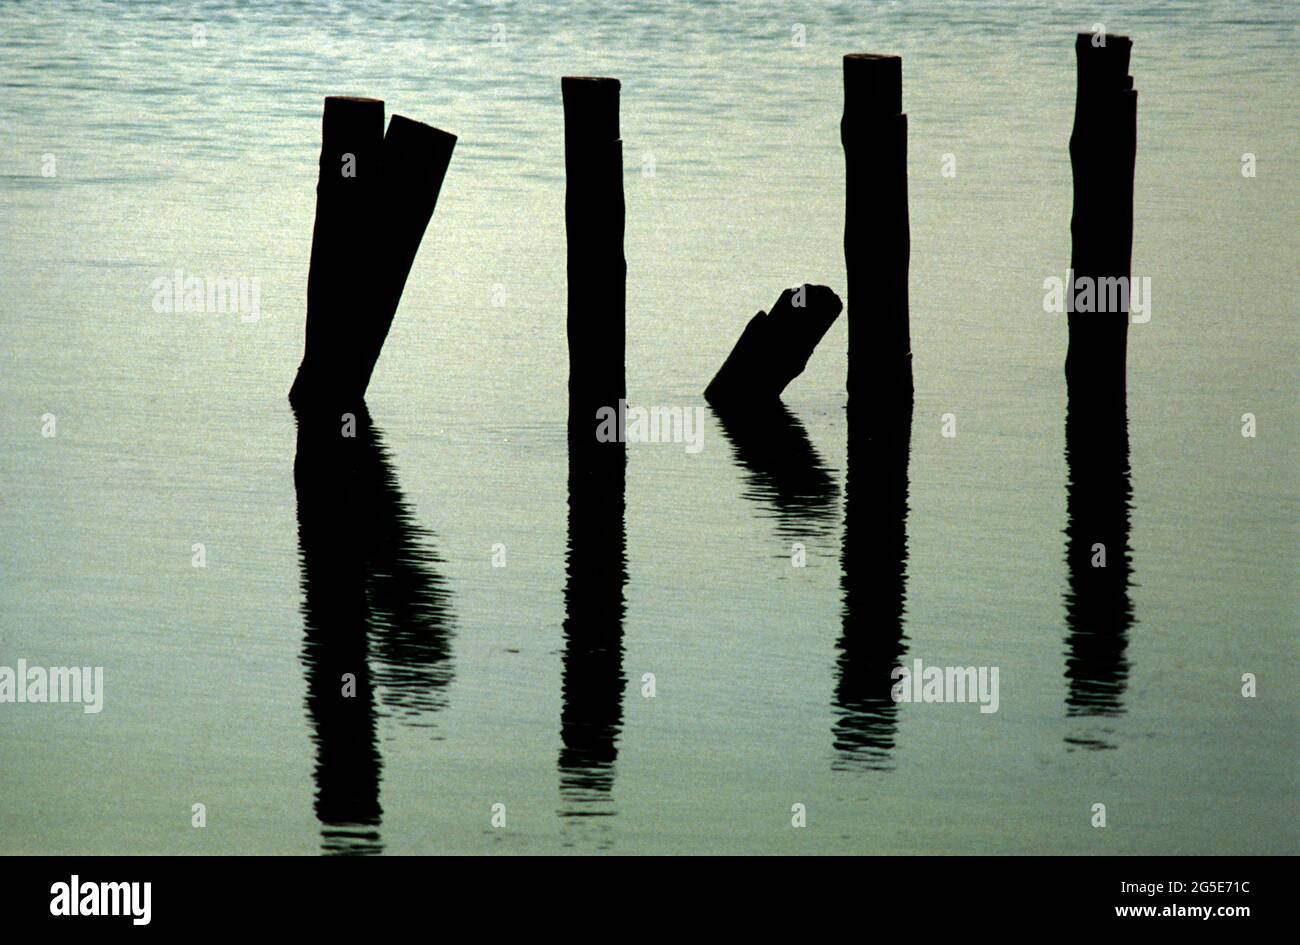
(523, 685)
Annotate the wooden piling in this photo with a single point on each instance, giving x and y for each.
(374, 199)
(597, 269)
(338, 287)
(1103, 148)
(415, 163)
(877, 241)
(774, 348)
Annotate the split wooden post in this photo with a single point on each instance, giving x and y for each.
(597, 269)
(774, 348)
(1103, 148)
(374, 199)
(877, 241)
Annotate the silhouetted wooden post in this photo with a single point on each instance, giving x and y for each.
(416, 157)
(597, 269)
(593, 682)
(374, 200)
(339, 292)
(774, 348)
(1103, 147)
(877, 240)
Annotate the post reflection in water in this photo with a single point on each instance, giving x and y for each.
(1098, 611)
(592, 681)
(783, 470)
(374, 612)
(873, 564)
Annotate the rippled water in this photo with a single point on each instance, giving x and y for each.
(486, 685)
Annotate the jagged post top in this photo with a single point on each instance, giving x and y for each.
(1103, 69)
(590, 108)
(873, 85)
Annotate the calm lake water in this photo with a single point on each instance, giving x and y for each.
(130, 149)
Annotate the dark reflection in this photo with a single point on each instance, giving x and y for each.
(783, 470)
(373, 607)
(1098, 611)
(593, 683)
(873, 563)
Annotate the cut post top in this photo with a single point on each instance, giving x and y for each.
(873, 84)
(425, 142)
(589, 82)
(347, 115)
(1103, 68)
(590, 107)
(1086, 39)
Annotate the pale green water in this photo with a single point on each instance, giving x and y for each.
(174, 429)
